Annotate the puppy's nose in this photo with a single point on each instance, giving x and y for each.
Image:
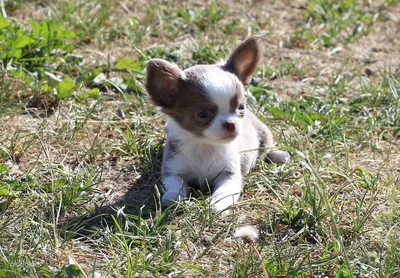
(229, 126)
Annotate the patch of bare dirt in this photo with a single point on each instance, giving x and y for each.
(384, 159)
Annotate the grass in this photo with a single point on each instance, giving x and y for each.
(80, 146)
(343, 21)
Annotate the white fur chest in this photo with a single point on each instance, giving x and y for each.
(199, 161)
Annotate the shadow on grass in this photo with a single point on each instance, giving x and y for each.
(141, 201)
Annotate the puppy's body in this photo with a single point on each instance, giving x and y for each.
(212, 139)
(192, 162)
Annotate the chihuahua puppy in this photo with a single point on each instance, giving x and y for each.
(213, 140)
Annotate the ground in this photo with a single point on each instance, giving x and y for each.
(80, 145)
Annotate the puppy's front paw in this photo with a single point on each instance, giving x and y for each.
(171, 197)
(278, 157)
(221, 204)
(221, 207)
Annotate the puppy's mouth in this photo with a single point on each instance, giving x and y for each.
(227, 137)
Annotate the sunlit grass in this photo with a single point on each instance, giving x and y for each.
(81, 147)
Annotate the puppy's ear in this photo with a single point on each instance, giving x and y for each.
(244, 59)
(162, 79)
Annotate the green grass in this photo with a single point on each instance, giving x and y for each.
(338, 21)
(80, 146)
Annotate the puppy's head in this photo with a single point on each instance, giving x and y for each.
(206, 100)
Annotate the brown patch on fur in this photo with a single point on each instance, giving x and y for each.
(162, 82)
(244, 59)
(191, 100)
(237, 99)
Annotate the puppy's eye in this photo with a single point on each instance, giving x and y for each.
(203, 115)
(241, 107)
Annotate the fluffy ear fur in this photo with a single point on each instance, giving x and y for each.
(162, 79)
(244, 59)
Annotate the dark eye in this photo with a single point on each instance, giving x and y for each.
(203, 115)
(241, 107)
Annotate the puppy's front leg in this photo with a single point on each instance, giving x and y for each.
(176, 189)
(226, 192)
